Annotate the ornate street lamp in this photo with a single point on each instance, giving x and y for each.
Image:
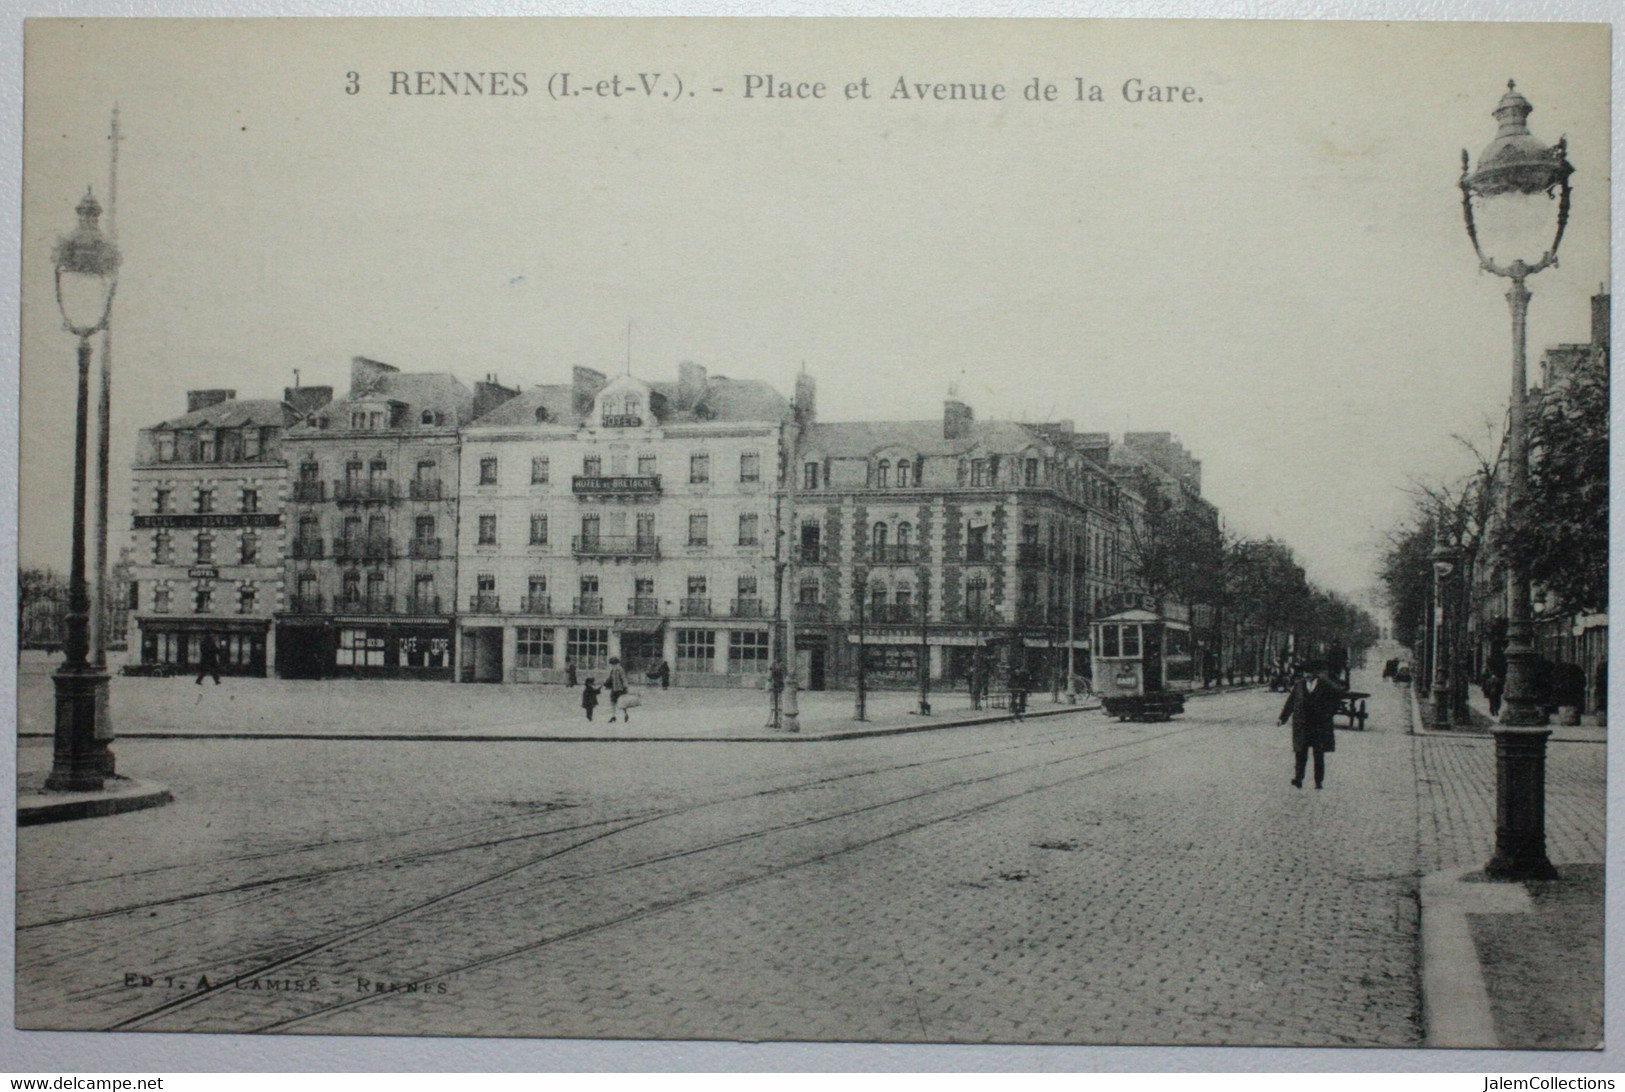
(1514, 173)
(86, 278)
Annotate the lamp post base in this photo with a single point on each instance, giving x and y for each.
(1520, 806)
(81, 762)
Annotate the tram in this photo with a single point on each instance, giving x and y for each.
(1141, 655)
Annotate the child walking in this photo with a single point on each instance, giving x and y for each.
(589, 697)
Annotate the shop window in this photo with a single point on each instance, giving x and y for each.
(359, 648)
(747, 652)
(587, 648)
(696, 649)
(533, 646)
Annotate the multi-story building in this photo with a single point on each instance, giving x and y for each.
(371, 559)
(205, 555)
(618, 517)
(966, 539)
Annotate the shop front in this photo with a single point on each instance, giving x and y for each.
(176, 644)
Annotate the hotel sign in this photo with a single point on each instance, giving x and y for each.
(198, 520)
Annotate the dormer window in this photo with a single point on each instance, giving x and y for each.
(428, 417)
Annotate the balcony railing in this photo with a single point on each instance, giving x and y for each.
(423, 490)
(363, 548)
(305, 549)
(536, 604)
(591, 605)
(694, 607)
(485, 603)
(364, 604)
(814, 555)
(906, 554)
(423, 547)
(372, 491)
(812, 612)
(748, 607)
(308, 492)
(646, 605)
(615, 545)
(892, 614)
(305, 604)
(422, 604)
(621, 484)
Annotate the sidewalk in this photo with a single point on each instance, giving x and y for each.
(1514, 966)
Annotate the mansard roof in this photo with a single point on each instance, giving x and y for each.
(441, 392)
(861, 439)
(234, 413)
(722, 399)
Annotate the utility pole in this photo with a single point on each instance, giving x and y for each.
(790, 713)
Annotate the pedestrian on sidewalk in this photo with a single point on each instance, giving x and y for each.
(570, 673)
(589, 697)
(1310, 706)
(1493, 686)
(616, 685)
(208, 660)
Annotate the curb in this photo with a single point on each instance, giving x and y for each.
(1456, 1008)
(34, 808)
(466, 737)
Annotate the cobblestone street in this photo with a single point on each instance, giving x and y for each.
(1071, 879)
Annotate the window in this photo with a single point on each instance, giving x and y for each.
(646, 530)
(309, 474)
(423, 593)
(1030, 472)
(1109, 646)
(696, 649)
(203, 599)
(538, 530)
(589, 585)
(352, 474)
(1131, 640)
(359, 648)
(588, 649)
(877, 594)
(485, 583)
(883, 473)
(427, 417)
(160, 599)
(648, 466)
(750, 466)
(878, 538)
(1029, 534)
(423, 528)
(809, 476)
(488, 530)
(904, 598)
(533, 646)
(975, 597)
(978, 472)
(205, 447)
(251, 500)
(699, 468)
(351, 587)
(162, 549)
(488, 470)
(592, 466)
(205, 548)
(166, 447)
(976, 542)
(205, 500)
(905, 533)
(747, 528)
(904, 474)
(699, 529)
(809, 594)
(747, 587)
(747, 652)
(249, 548)
(133, 602)
(427, 471)
(539, 470)
(589, 530)
(251, 443)
(426, 651)
(163, 500)
(246, 598)
(696, 587)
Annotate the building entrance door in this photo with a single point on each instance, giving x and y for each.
(640, 653)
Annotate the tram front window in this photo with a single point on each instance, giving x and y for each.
(1131, 641)
(1108, 641)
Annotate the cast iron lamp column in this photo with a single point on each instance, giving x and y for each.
(1517, 166)
(86, 278)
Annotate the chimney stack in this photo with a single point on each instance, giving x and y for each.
(196, 400)
(489, 394)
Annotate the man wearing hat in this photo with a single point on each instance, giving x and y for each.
(1310, 706)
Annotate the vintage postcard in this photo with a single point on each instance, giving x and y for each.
(939, 531)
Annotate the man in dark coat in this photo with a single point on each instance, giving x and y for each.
(208, 660)
(1310, 706)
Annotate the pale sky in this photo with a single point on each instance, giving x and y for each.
(1278, 273)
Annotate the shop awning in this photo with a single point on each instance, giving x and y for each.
(639, 625)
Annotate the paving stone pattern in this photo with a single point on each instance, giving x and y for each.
(1068, 880)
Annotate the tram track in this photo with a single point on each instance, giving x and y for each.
(481, 886)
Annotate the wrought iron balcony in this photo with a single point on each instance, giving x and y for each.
(422, 604)
(536, 604)
(814, 555)
(892, 614)
(305, 604)
(485, 603)
(615, 545)
(421, 489)
(372, 491)
(694, 607)
(363, 548)
(423, 547)
(906, 554)
(615, 484)
(364, 604)
(812, 612)
(749, 607)
(592, 605)
(308, 492)
(646, 605)
(305, 549)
